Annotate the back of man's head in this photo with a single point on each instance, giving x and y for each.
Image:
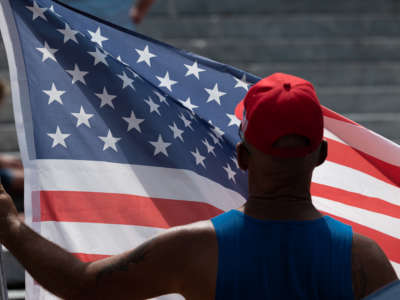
(282, 127)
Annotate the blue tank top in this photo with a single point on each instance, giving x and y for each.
(260, 259)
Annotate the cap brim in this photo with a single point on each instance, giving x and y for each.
(239, 110)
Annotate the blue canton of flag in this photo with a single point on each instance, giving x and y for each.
(99, 92)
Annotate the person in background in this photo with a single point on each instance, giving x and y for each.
(120, 12)
(139, 10)
(11, 169)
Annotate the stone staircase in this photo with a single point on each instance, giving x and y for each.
(350, 49)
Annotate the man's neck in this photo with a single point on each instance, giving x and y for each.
(282, 207)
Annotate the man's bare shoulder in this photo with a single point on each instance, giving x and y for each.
(370, 267)
(197, 246)
(196, 241)
(199, 234)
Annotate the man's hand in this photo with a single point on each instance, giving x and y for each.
(10, 162)
(8, 215)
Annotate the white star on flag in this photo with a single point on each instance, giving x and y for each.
(126, 81)
(48, 53)
(135, 74)
(58, 138)
(153, 106)
(37, 11)
(235, 161)
(145, 55)
(188, 104)
(77, 75)
(193, 70)
(69, 34)
(160, 146)
(54, 94)
(97, 37)
(185, 121)
(133, 122)
(121, 61)
(109, 141)
(242, 83)
(177, 132)
(233, 120)
(215, 94)
(106, 98)
(210, 148)
(217, 131)
(162, 98)
(199, 158)
(166, 81)
(53, 11)
(82, 117)
(215, 139)
(99, 57)
(231, 174)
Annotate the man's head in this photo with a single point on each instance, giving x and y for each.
(282, 129)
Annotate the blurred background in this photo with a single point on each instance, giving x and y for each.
(349, 49)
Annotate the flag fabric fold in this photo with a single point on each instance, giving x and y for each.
(123, 136)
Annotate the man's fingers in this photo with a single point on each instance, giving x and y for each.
(2, 189)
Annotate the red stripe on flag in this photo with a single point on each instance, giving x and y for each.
(90, 257)
(354, 199)
(124, 209)
(390, 245)
(345, 155)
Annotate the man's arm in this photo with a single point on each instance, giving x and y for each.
(370, 267)
(156, 267)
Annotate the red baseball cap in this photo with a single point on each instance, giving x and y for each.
(277, 106)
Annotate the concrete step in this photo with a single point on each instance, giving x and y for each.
(195, 7)
(361, 99)
(294, 50)
(258, 26)
(8, 138)
(327, 74)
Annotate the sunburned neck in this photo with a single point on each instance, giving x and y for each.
(283, 207)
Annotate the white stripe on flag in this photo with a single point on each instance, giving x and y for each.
(365, 140)
(396, 268)
(328, 134)
(345, 178)
(376, 221)
(96, 238)
(156, 182)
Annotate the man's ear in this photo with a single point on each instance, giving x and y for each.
(323, 152)
(242, 154)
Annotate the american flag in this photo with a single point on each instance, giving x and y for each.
(123, 136)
